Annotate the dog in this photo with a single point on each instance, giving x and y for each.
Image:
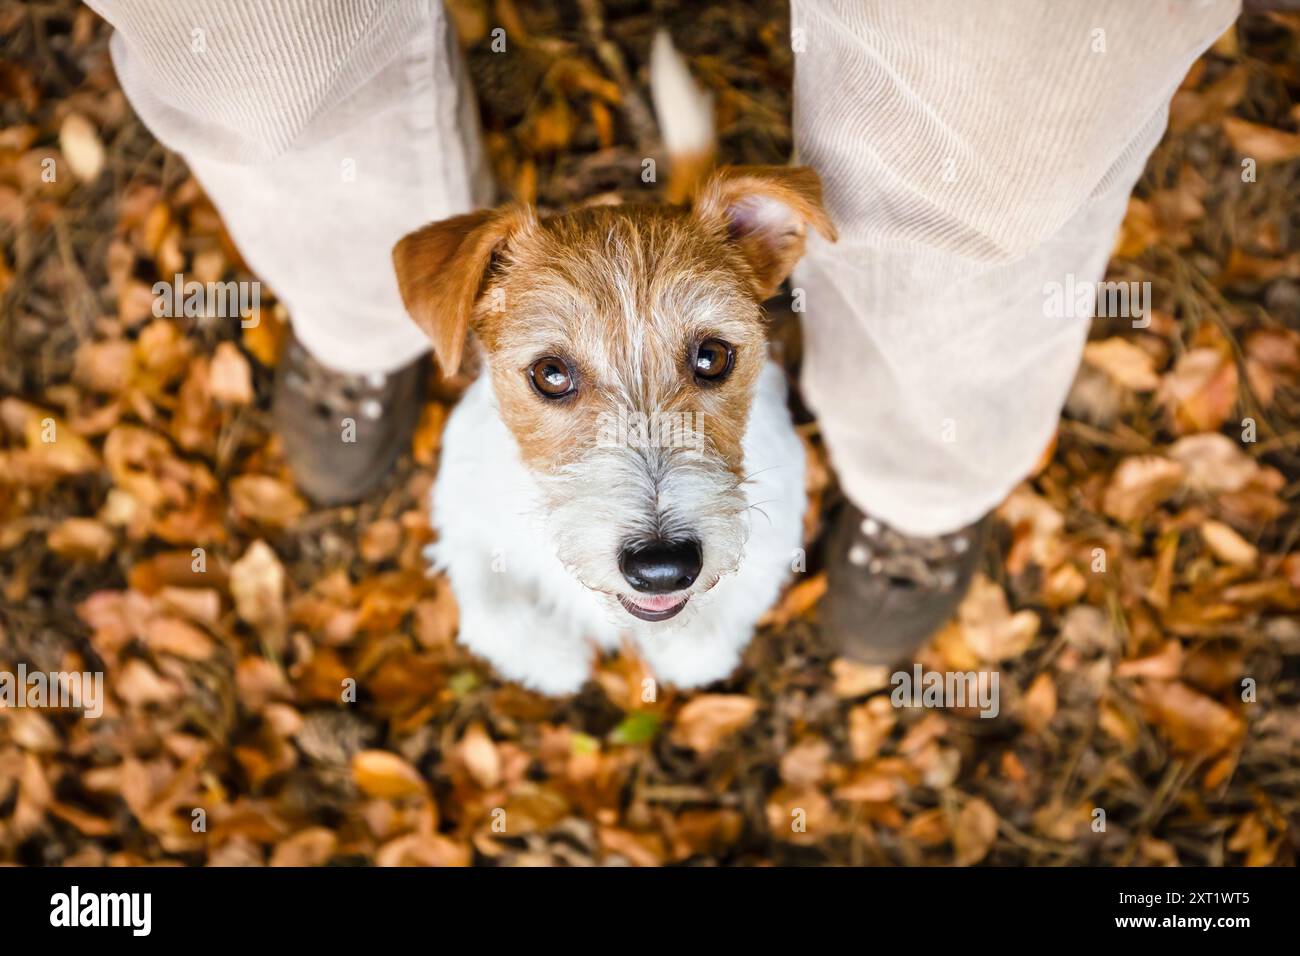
(625, 467)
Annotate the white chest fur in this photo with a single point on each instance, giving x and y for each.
(523, 611)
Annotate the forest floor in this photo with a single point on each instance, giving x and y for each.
(1139, 600)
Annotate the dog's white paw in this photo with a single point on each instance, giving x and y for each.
(520, 649)
(689, 660)
(555, 677)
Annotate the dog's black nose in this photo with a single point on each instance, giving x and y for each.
(661, 566)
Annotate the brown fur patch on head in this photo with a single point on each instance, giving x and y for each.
(623, 295)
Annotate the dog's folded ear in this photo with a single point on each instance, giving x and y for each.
(441, 270)
(766, 212)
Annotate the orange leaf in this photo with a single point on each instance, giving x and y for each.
(386, 775)
(1264, 144)
(710, 718)
(977, 828)
(1192, 722)
(1140, 484)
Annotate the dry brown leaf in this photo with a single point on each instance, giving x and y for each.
(382, 774)
(870, 725)
(470, 19)
(311, 847)
(81, 147)
(1252, 838)
(52, 449)
(988, 626)
(1036, 528)
(257, 585)
(81, 539)
(106, 367)
(139, 685)
(549, 128)
(1178, 209)
(532, 807)
(929, 828)
(1154, 852)
(428, 433)
(31, 731)
(86, 823)
(202, 605)
(797, 601)
(1247, 268)
(1057, 820)
(976, 829)
(1208, 105)
(1139, 485)
(34, 796)
(1291, 569)
(1264, 144)
(878, 782)
(196, 422)
(260, 682)
(709, 719)
(1038, 706)
(1117, 724)
(479, 755)
(1165, 664)
(639, 849)
(418, 849)
(1214, 463)
(1227, 45)
(853, 679)
(800, 817)
(1193, 722)
(230, 378)
(380, 540)
(266, 500)
(1215, 669)
(1064, 586)
(575, 75)
(1228, 546)
(1124, 362)
(168, 635)
(265, 334)
(1201, 391)
(705, 832)
(805, 764)
(1277, 350)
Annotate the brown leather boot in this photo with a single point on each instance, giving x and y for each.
(887, 592)
(342, 432)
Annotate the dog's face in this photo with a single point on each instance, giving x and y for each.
(624, 343)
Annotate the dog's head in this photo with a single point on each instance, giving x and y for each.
(623, 344)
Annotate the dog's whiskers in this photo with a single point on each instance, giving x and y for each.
(754, 474)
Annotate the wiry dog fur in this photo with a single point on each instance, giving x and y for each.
(534, 503)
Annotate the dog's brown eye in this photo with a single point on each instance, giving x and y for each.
(552, 378)
(713, 361)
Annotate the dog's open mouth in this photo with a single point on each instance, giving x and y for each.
(655, 607)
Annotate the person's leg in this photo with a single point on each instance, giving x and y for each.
(323, 131)
(972, 154)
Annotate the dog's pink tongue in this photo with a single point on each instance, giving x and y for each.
(657, 602)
